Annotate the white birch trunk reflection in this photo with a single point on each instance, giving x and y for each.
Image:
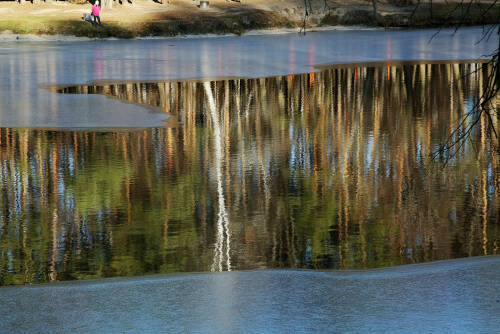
(223, 235)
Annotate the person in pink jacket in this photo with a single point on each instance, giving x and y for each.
(96, 10)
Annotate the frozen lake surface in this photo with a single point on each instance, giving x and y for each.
(453, 296)
(25, 67)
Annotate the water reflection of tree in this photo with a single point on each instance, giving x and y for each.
(325, 170)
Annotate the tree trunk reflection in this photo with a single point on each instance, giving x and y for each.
(323, 170)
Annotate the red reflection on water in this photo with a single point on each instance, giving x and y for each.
(311, 54)
(291, 56)
(98, 64)
(388, 56)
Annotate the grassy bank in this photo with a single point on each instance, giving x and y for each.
(228, 24)
(238, 20)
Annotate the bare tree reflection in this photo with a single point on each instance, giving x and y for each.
(223, 232)
(323, 170)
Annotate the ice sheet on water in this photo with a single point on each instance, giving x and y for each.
(455, 296)
(43, 63)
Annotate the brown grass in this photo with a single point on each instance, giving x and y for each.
(147, 18)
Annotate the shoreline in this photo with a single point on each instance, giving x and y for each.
(9, 36)
(145, 19)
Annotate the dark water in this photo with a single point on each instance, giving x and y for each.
(321, 170)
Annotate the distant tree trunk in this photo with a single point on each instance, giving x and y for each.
(498, 60)
(375, 10)
(36, 2)
(22, 2)
(107, 4)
